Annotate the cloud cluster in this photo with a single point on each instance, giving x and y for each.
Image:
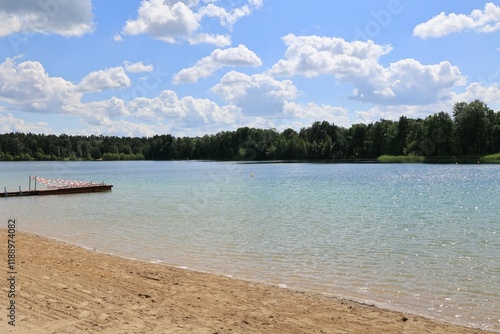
(26, 86)
(406, 81)
(137, 67)
(487, 94)
(172, 21)
(168, 105)
(228, 17)
(232, 57)
(255, 99)
(104, 79)
(483, 21)
(256, 95)
(404, 86)
(312, 56)
(29, 87)
(312, 112)
(60, 17)
(9, 123)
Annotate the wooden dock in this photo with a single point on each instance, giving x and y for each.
(58, 191)
(67, 187)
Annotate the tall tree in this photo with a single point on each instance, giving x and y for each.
(470, 125)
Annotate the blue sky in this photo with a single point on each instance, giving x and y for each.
(140, 68)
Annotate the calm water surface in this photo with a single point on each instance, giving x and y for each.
(421, 238)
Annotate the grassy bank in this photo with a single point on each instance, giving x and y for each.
(400, 159)
(492, 158)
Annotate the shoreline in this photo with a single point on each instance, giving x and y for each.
(66, 288)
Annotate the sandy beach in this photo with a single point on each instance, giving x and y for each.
(61, 288)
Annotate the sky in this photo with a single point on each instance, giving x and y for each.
(195, 67)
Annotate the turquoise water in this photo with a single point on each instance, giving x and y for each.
(420, 238)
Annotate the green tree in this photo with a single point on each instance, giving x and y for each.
(438, 135)
(470, 125)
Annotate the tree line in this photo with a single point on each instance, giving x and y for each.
(472, 130)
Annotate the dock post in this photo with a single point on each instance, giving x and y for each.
(29, 183)
(5, 191)
(35, 183)
(20, 192)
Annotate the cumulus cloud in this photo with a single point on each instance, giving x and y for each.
(219, 40)
(114, 77)
(404, 82)
(172, 21)
(312, 56)
(66, 18)
(27, 86)
(409, 82)
(9, 123)
(163, 20)
(137, 67)
(392, 113)
(233, 57)
(313, 112)
(482, 21)
(259, 94)
(169, 105)
(229, 17)
(123, 127)
(488, 94)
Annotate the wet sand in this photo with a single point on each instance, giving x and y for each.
(61, 288)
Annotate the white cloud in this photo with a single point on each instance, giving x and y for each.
(239, 56)
(9, 123)
(189, 109)
(313, 112)
(485, 21)
(488, 94)
(312, 56)
(114, 77)
(118, 38)
(391, 113)
(404, 82)
(171, 21)
(409, 82)
(123, 128)
(163, 21)
(137, 67)
(258, 94)
(229, 17)
(219, 40)
(111, 108)
(28, 86)
(66, 18)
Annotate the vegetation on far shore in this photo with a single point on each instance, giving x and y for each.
(491, 158)
(471, 134)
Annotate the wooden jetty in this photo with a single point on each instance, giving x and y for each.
(62, 187)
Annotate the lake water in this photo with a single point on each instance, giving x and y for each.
(415, 237)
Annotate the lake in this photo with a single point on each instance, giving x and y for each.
(413, 237)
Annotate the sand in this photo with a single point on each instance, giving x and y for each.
(61, 288)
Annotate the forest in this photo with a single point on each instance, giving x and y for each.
(473, 130)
